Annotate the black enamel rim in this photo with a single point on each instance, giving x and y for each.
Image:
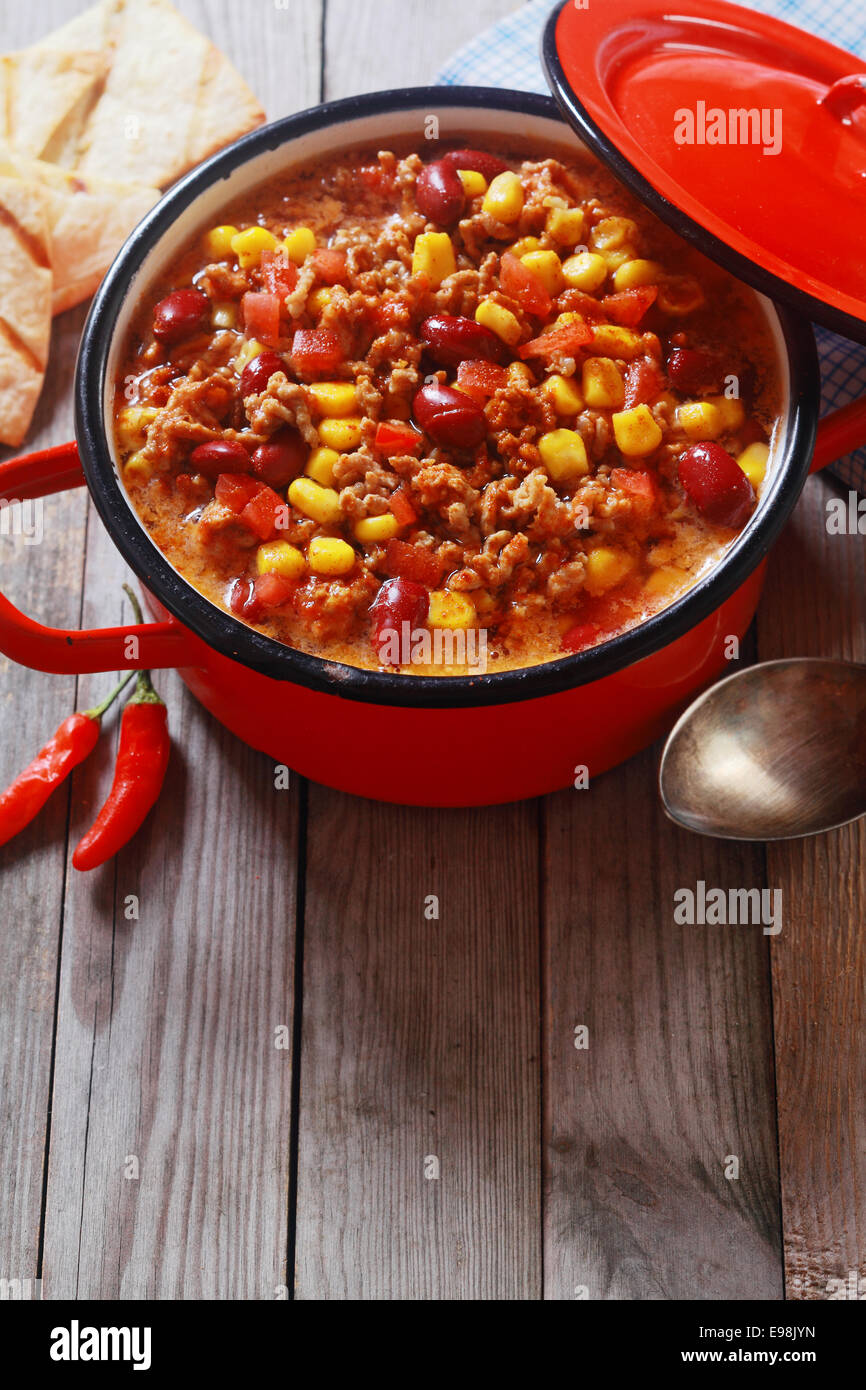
(232, 638)
(773, 286)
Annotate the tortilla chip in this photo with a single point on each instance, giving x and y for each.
(170, 98)
(25, 305)
(87, 220)
(39, 87)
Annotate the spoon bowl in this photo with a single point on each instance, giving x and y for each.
(775, 752)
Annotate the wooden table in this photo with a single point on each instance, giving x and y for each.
(283, 1080)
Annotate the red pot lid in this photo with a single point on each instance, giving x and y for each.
(779, 196)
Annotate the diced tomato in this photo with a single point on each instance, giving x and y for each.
(480, 379)
(562, 342)
(376, 178)
(577, 302)
(262, 512)
(279, 274)
(640, 486)
(520, 283)
(391, 313)
(316, 350)
(393, 437)
(235, 490)
(330, 266)
(629, 306)
(402, 508)
(643, 382)
(582, 635)
(261, 316)
(272, 589)
(405, 561)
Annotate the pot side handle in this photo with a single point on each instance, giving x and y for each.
(64, 651)
(840, 432)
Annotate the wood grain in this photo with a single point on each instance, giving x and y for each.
(419, 1041)
(639, 1125)
(816, 606)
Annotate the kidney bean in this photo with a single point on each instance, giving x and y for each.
(449, 416)
(179, 315)
(717, 485)
(691, 369)
(258, 372)
(453, 339)
(486, 164)
(243, 600)
(398, 601)
(219, 456)
(439, 194)
(281, 459)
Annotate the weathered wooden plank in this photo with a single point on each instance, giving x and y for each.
(375, 44)
(44, 579)
(166, 1043)
(640, 1124)
(419, 1043)
(816, 606)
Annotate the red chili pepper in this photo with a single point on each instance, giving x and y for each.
(74, 741)
(142, 759)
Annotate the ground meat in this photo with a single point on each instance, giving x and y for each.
(284, 402)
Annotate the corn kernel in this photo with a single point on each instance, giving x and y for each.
(612, 232)
(433, 256)
(563, 454)
(333, 398)
(330, 555)
(250, 349)
(618, 257)
(680, 294)
(731, 410)
(504, 198)
(753, 461)
(132, 423)
(633, 273)
(278, 557)
(321, 504)
(218, 241)
(499, 320)
(563, 393)
(524, 245)
(474, 183)
(548, 267)
(342, 435)
(700, 420)
(610, 340)
(636, 431)
(585, 271)
(565, 225)
(602, 383)
(450, 610)
(137, 470)
(605, 568)
(249, 244)
(300, 244)
(318, 300)
(376, 528)
(519, 374)
(320, 466)
(667, 579)
(224, 314)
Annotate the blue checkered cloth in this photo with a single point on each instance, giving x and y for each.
(507, 55)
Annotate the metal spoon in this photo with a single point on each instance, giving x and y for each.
(774, 752)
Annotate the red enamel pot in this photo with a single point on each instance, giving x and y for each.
(449, 741)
